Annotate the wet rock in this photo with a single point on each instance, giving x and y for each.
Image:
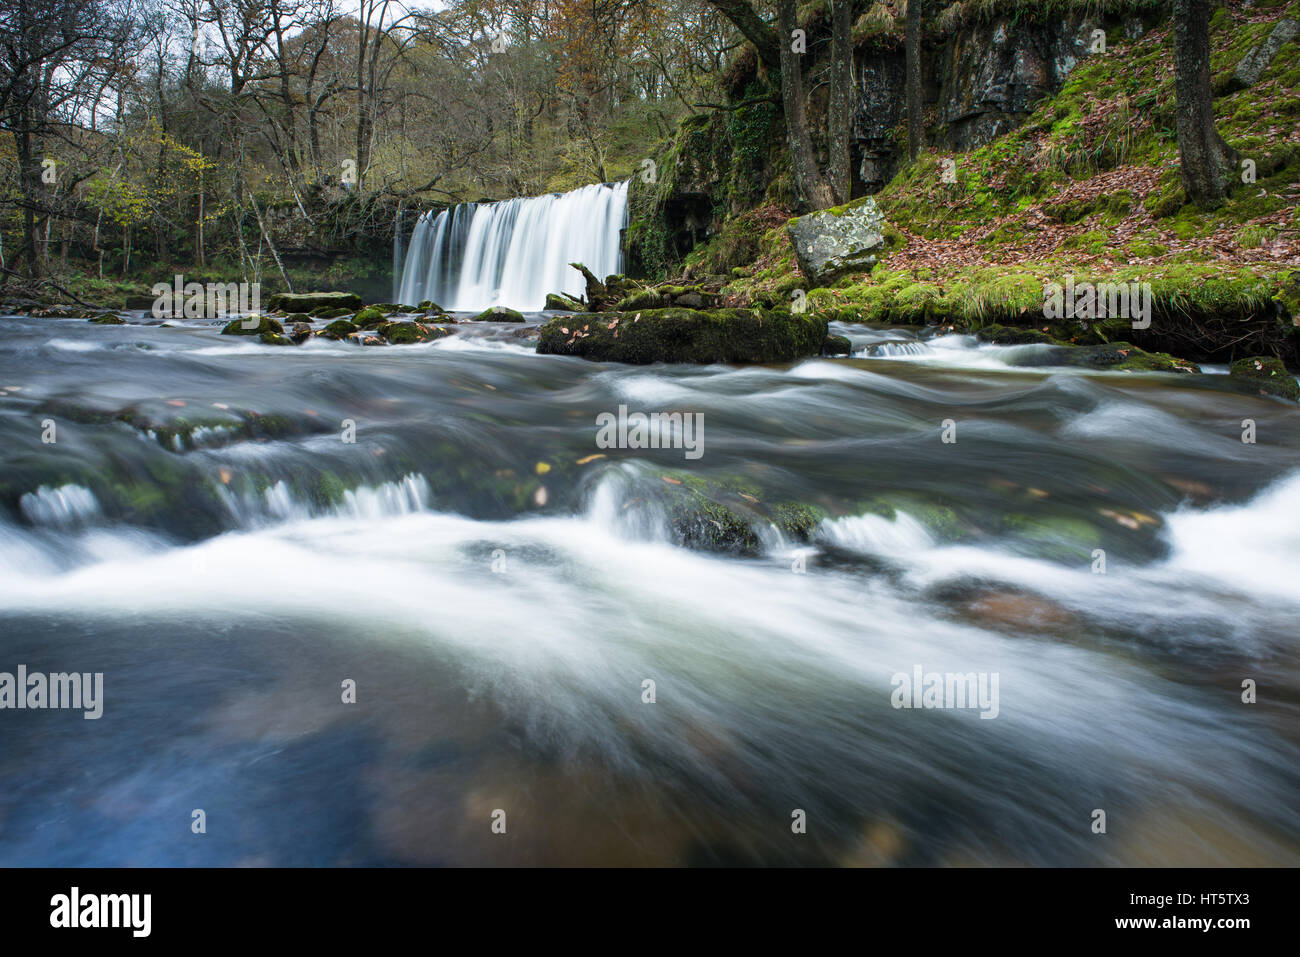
(275, 339)
(1012, 336)
(499, 314)
(300, 332)
(1264, 374)
(407, 332)
(428, 305)
(685, 335)
(139, 302)
(370, 317)
(313, 302)
(333, 312)
(837, 346)
(834, 242)
(253, 325)
(339, 329)
(108, 319)
(1111, 356)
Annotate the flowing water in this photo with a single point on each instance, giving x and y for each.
(499, 589)
(514, 252)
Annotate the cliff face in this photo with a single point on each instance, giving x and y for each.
(982, 78)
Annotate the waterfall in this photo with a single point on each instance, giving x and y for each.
(514, 252)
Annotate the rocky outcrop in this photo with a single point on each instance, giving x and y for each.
(684, 335)
(834, 242)
(1254, 63)
(312, 302)
(1264, 375)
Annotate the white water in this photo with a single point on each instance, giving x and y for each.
(514, 252)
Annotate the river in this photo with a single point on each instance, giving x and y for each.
(184, 513)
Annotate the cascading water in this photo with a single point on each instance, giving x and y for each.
(514, 252)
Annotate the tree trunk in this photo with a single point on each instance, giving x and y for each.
(912, 50)
(751, 26)
(840, 112)
(1208, 163)
(809, 183)
(27, 184)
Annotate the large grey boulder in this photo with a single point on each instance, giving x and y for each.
(1254, 63)
(829, 244)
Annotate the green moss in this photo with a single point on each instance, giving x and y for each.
(685, 335)
(1264, 374)
(253, 325)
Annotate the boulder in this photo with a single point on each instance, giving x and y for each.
(108, 319)
(833, 242)
(1111, 356)
(837, 346)
(499, 314)
(684, 335)
(1254, 63)
(428, 305)
(253, 325)
(312, 302)
(339, 329)
(300, 333)
(1264, 374)
(370, 317)
(407, 332)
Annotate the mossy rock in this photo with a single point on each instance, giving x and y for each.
(400, 333)
(1264, 374)
(685, 335)
(428, 305)
(339, 329)
(264, 325)
(296, 318)
(1111, 356)
(333, 313)
(108, 319)
(1012, 336)
(837, 346)
(313, 302)
(499, 314)
(370, 317)
(275, 339)
(559, 302)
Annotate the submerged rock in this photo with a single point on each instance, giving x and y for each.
(253, 325)
(312, 302)
(1112, 356)
(831, 243)
(1264, 374)
(499, 314)
(685, 335)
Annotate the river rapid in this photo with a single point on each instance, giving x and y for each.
(184, 513)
